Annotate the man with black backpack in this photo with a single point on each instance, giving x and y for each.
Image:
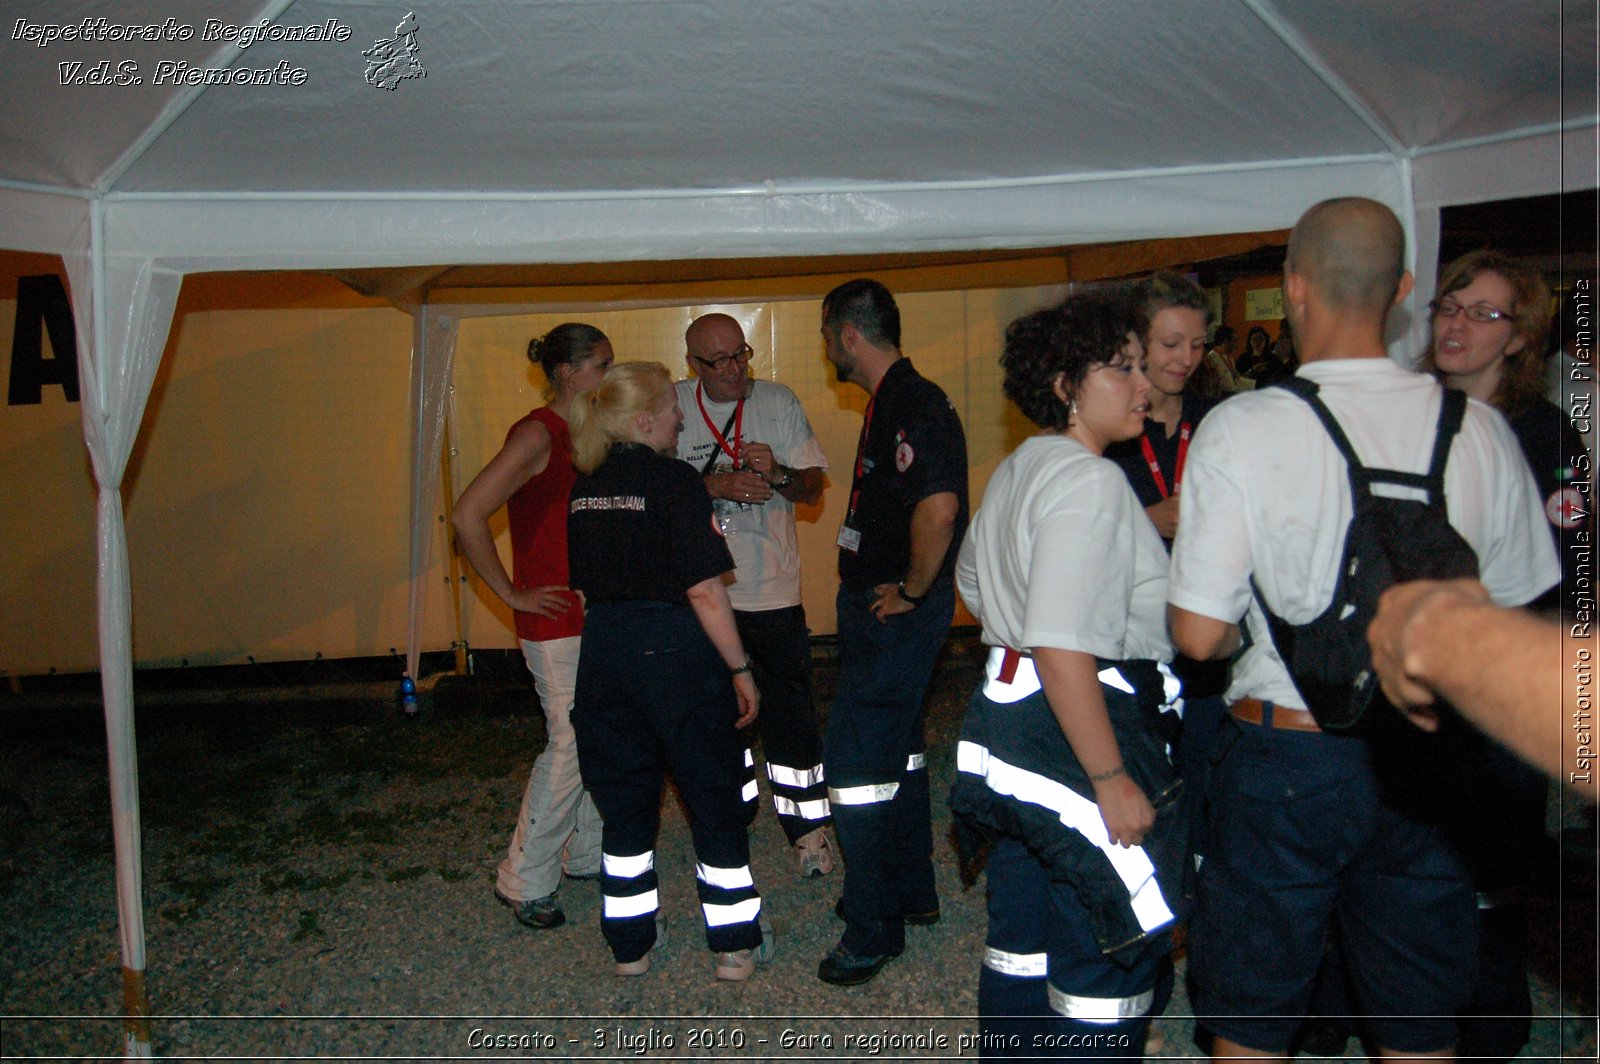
(1300, 505)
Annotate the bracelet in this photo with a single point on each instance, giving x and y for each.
(1108, 774)
(742, 668)
(915, 600)
(788, 478)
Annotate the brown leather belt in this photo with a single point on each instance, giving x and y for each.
(1255, 711)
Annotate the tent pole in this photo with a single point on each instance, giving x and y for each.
(116, 683)
(116, 663)
(432, 354)
(456, 577)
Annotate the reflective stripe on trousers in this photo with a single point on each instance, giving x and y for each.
(1131, 863)
(628, 885)
(869, 793)
(1100, 1010)
(727, 895)
(1020, 965)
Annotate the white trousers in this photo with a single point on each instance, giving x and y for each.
(559, 825)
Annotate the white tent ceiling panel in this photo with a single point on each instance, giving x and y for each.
(695, 108)
(1436, 74)
(323, 233)
(681, 94)
(45, 222)
(1553, 162)
(59, 131)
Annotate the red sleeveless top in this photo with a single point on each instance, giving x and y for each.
(538, 515)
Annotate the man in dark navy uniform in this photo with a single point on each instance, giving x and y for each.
(897, 551)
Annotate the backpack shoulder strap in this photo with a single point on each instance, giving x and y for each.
(1452, 410)
(1306, 390)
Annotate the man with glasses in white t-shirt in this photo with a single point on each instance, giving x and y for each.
(754, 447)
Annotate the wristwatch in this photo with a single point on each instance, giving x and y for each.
(788, 478)
(915, 600)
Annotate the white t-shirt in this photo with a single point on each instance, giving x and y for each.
(1265, 493)
(766, 553)
(1061, 555)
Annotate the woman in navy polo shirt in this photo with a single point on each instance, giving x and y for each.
(663, 681)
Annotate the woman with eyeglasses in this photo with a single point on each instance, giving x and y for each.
(1489, 326)
(1062, 764)
(1491, 321)
(664, 684)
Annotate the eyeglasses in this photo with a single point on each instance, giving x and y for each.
(741, 353)
(1479, 312)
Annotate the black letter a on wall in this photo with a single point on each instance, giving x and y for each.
(42, 304)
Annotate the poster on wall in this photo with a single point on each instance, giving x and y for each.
(1263, 304)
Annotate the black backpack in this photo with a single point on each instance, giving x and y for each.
(1389, 540)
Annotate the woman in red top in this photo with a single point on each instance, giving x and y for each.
(532, 477)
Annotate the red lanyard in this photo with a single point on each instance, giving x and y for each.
(738, 426)
(861, 456)
(1155, 467)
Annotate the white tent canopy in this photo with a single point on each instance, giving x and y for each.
(554, 131)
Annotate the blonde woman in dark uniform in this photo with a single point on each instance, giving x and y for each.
(663, 680)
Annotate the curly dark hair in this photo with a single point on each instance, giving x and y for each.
(1064, 342)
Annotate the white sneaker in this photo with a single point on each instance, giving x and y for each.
(815, 854)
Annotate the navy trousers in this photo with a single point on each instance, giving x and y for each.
(654, 696)
(1045, 990)
(779, 645)
(875, 756)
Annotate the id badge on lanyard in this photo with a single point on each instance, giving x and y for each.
(732, 517)
(1155, 466)
(849, 534)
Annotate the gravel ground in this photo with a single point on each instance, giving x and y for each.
(318, 882)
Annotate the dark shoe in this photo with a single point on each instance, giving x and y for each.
(843, 968)
(541, 914)
(927, 919)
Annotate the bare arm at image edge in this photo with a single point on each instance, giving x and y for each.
(1517, 676)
